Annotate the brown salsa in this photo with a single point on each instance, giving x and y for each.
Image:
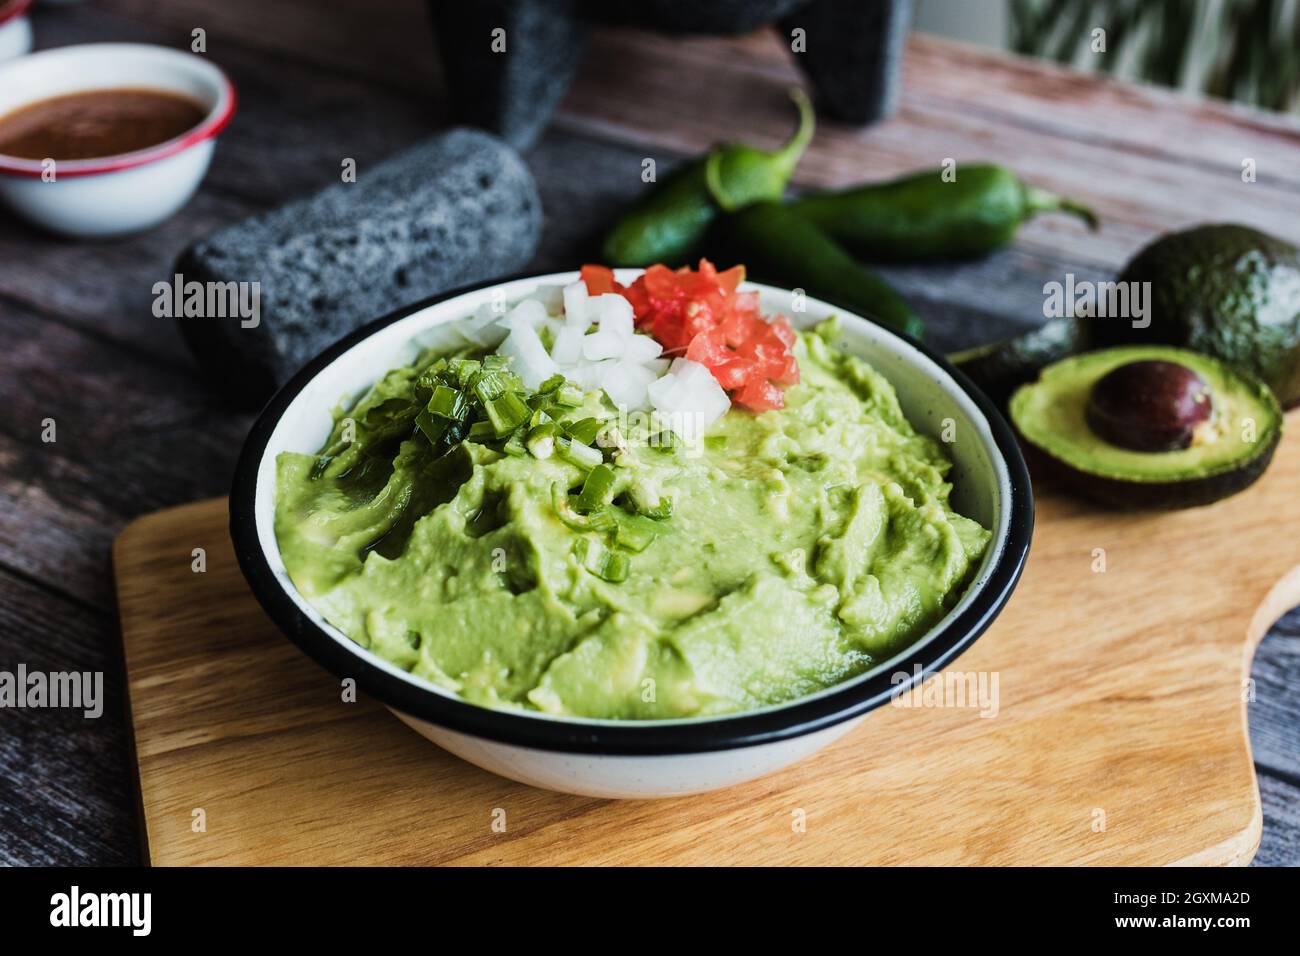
(97, 123)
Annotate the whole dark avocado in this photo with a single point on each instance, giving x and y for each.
(1224, 290)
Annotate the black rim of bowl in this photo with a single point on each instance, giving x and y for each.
(696, 735)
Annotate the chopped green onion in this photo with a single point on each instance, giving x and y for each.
(515, 446)
(506, 413)
(715, 441)
(584, 430)
(541, 440)
(635, 533)
(551, 384)
(539, 417)
(615, 568)
(433, 426)
(660, 512)
(597, 490)
(646, 500)
(482, 431)
(489, 386)
(568, 395)
(605, 564)
(602, 520)
(576, 453)
(463, 369)
(447, 402)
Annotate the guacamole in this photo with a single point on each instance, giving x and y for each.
(804, 545)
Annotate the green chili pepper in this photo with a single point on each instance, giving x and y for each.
(778, 245)
(584, 430)
(635, 534)
(597, 490)
(923, 217)
(669, 223)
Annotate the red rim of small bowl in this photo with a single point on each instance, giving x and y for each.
(13, 9)
(210, 126)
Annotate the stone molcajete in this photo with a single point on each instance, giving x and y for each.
(850, 50)
(454, 209)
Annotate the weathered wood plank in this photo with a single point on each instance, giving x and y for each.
(1275, 713)
(1280, 845)
(385, 40)
(53, 528)
(67, 797)
(131, 436)
(106, 289)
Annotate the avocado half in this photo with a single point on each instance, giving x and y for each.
(1226, 456)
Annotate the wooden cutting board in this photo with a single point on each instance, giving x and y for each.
(1120, 736)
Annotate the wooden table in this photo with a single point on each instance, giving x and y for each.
(320, 80)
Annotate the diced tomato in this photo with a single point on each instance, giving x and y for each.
(661, 283)
(789, 373)
(781, 329)
(760, 395)
(699, 314)
(733, 373)
(709, 348)
(599, 280)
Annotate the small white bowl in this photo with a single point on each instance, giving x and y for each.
(15, 29)
(112, 195)
(652, 758)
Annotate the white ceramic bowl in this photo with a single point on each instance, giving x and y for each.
(113, 195)
(15, 29)
(608, 758)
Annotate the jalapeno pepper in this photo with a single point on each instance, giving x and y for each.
(667, 225)
(778, 245)
(923, 217)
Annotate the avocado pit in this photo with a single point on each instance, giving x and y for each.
(1150, 405)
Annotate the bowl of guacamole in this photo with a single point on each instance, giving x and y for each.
(629, 533)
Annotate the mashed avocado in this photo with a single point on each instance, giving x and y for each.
(804, 545)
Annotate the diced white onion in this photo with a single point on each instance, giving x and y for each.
(602, 345)
(575, 305)
(615, 314)
(567, 349)
(529, 312)
(528, 356)
(551, 297)
(589, 375)
(641, 349)
(689, 398)
(481, 328)
(627, 385)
